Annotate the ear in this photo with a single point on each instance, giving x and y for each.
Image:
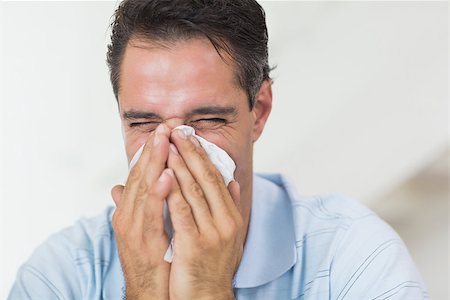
(262, 108)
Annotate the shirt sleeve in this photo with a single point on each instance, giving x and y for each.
(49, 273)
(372, 262)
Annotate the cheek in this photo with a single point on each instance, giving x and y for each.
(238, 146)
(133, 142)
(242, 156)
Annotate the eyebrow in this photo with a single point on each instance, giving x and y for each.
(135, 115)
(206, 110)
(214, 110)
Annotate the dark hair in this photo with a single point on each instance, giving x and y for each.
(237, 27)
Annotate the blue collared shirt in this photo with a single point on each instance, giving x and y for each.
(297, 247)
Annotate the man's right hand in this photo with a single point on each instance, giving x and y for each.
(138, 221)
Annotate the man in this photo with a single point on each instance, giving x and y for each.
(204, 64)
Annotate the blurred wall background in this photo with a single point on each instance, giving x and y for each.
(360, 107)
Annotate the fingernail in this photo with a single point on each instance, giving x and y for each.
(156, 139)
(182, 134)
(165, 175)
(195, 141)
(161, 129)
(173, 149)
(169, 172)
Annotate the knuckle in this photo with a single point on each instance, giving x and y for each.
(135, 172)
(150, 216)
(142, 188)
(175, 161)
(230, 230)
(204, 157)
(151, 228)
(139, 200)
(196, 190)
(191, 147)
(209, 243)
(210, 175)
(228, 234)
(183, 209)
(148, 146)
(202, 153)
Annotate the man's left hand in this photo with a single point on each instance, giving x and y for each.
(209, 232)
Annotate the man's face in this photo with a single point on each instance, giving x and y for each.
(187, 83)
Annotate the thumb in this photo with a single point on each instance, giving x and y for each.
(116, 193)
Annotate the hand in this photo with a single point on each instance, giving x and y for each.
(138, 221)
(208, 240)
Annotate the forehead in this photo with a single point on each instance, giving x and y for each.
(176, 73)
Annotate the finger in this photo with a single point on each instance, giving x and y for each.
(154, 167)
(206, 174)
(180, 211)
(134, 179)
(190, 190)
(116, 194)
(158, 157)
(152, 217)
(152, 141)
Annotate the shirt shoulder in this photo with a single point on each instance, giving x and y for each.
(351, 253)
(345, 251)
(68, 262)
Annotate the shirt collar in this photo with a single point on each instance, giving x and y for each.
(269, 250)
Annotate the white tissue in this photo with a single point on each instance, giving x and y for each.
(220, 159)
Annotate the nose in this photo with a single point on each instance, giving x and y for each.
(173, 122)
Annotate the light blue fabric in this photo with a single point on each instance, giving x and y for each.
(323, 247)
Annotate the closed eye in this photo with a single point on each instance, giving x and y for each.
(209, 123)
(141, 124)
(212, 120)
(147, 126)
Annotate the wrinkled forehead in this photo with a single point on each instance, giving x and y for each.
(175, 74)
